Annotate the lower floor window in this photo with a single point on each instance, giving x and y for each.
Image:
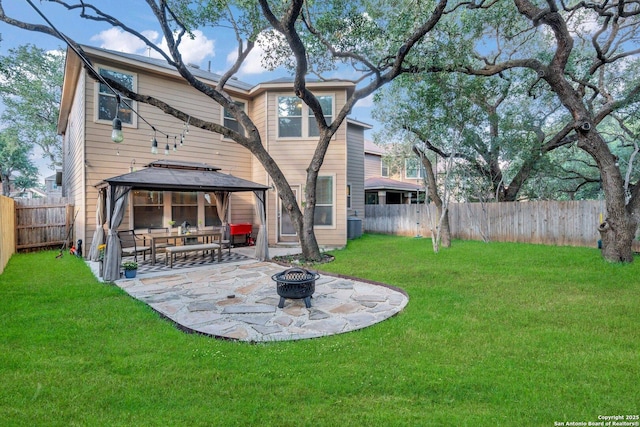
(152, 210)
(324, 201)
(148, 208)
(371, 199)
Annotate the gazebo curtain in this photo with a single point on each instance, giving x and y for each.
(222, 206)
(98, 234)
(262, 239)
(116, 207)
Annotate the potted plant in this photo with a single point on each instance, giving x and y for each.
(171, 223)
(130, 269)
(101, 249)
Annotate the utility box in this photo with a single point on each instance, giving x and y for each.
(354, 227)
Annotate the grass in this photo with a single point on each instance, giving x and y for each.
(494, 334)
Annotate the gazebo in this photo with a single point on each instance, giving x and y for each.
(167, 175)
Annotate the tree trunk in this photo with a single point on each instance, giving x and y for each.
(443, 231)
(618, 229)
(6, 190)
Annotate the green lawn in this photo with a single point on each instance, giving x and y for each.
(494, 334)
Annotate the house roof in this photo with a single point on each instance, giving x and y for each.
(163, 64)
(379, 183)
(371, 148)
(74, 66)
(184, 176)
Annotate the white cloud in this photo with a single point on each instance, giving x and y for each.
(194, 51)
(121, 41)
(252, 65)
(365, 102)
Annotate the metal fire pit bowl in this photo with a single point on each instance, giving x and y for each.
(295, 283)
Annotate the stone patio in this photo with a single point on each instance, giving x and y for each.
(239, 301)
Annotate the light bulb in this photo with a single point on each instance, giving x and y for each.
(116, 133)
(154, 146)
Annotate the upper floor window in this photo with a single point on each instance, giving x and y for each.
(107, 101)
(291, 111)
(413, 168)
(231, 122)
(326, 102)
(385, 169)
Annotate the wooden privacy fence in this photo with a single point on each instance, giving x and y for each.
(42, 223)
(7, 230)
(572, 223)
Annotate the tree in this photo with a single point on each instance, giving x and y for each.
(376, 38)
(14, 161)
(30, 88)
(501, 138)
(584, 53)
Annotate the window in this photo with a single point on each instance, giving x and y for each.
(147, 208)
(107, 102)
(231, 122)
(385, 169)
(414, 169)
(324, 201)
(326, 102)
(289, 116)
(291, 111)
(184, 207)
(371, 199)
(348, 196)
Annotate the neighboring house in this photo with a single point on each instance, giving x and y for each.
(381, 189)
(287, 129)
(23, 193)
(53, 185)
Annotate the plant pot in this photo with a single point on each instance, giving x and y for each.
(130, 274)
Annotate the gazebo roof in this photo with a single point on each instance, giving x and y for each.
(184, 176)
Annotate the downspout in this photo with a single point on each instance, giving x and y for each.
(268, 178)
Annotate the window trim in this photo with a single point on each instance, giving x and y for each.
(384, 169)
(98, 94)
(419, 167)
(222, 120)
(306, 114)
(334, 201)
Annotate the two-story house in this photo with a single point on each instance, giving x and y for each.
(287, 129)
(384, 188)
(53, 185)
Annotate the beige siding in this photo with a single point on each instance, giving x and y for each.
(294, 155)
(91, 156)
(107, 159)
(74, 161)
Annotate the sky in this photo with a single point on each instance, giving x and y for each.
(210, 49)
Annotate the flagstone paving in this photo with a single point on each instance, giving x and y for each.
(239, 301)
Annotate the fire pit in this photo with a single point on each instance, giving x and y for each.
(295, 283)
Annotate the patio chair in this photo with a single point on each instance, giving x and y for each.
(225, 242)
(132, 244)
(160, 230)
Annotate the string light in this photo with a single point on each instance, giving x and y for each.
(154, 143)
(116, 134)
(166, 147)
